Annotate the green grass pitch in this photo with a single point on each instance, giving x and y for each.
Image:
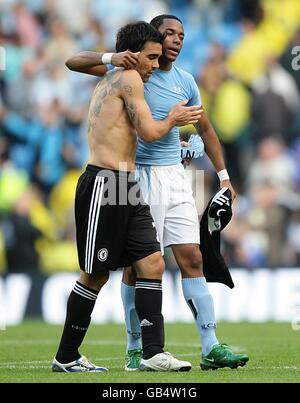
(26, 352)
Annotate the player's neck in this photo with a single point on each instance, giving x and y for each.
(165, 64)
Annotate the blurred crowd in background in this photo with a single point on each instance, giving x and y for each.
(240, 53)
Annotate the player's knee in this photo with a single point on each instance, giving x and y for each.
(156, 267)
(151, 267)
(192, 266)
(196, 259)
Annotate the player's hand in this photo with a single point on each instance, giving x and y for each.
(126, 59)
(227, 184)
(184, 115)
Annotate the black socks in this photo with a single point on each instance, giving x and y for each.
(148, 304)
(80, 305)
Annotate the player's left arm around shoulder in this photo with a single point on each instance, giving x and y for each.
(214, 150)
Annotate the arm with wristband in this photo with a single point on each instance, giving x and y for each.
(95, 63)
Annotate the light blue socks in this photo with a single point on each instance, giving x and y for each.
(200, 301)
(131, 318)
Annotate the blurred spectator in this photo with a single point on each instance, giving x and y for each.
(93, 38)
(16, 54)
(279, 81)
(276, 101)
(27, 26)
(255, 238)
(76, 25)
(228, 105)
(267, 218)
(213, 72)
(50, 86)
(60, 44)
(20, 235)
(270, 115)
(37, 145)
(19, 96)
(273, 166)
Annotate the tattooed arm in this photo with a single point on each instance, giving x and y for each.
(132, 90)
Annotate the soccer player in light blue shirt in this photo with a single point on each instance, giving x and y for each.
(167, 190)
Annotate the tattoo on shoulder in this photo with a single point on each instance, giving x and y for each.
(108, 86)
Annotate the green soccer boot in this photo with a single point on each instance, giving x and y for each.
(133, 360)
(221, 356)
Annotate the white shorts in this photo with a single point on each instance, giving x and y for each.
(168, 191)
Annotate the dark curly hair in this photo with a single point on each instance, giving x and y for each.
(134, 36)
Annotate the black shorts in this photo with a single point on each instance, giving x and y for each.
(114, 226)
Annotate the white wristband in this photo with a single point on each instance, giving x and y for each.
(106, 58)
(223, 175)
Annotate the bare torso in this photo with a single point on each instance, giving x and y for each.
(111, 136)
